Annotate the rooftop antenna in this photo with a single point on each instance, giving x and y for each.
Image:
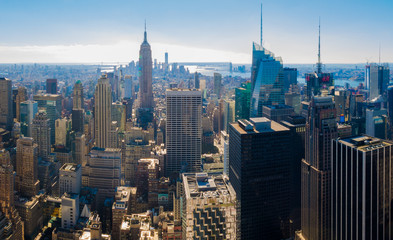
(145, 40)
(379, 57)
(261, 24)
(319, 64)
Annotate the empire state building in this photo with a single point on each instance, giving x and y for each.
(145, 75)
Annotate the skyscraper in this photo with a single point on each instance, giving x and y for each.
(7, 206)
(41, 134)
(266, 80)
(214, 218)
(183, 130)
(217, 84)
(242, 101)
(361, 188)
(78, 99)
(259, 170)
(290, 77)
(6, 114)
(377, 79)
(51, 86)
(27, 167)
(28, 110)
(321, 128)
(196, 81)
(52, 104)
(21, 97)
(318, 81)
(102, 171)
(102, 114)
(145, 75)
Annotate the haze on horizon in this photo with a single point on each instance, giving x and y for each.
(94, 31)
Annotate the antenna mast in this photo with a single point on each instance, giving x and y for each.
(319, 64)
(261, 25)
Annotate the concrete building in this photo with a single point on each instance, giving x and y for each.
(27, 167)
(13, 229)
(321, 128)
(51, 86)
(52, 104)
(183, 130)
(208, 206)
(32, 216)
(41, 134)
(70, 178)
(217, 84)
(63, 128)
(6, 113)
(102, 114)
(120, 207)
(145, 78)
(102, 171)
(69, 210)
(361, 188)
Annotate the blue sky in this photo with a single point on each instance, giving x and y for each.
(203, 30)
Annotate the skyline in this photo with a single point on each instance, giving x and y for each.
(70, 31)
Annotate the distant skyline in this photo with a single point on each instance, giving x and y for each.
(94, 31)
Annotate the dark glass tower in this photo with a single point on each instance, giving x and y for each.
(51, 86)
(361, 188)
(321, 128)
(267, 77)
(260, 159)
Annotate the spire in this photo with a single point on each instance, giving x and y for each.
(319, 64)
(145, 39)
(261, 24)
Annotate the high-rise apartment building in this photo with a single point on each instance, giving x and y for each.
(321, 128)
(63, 129)
(361, 188)
(27, 167)
(102, 112)
(41, 134)
(183, 130)
(217, 84)
(51, 86)
(28, 110)
(260, 159)
(208, 207)
(266, 80)
(6, 113)
(69, 210)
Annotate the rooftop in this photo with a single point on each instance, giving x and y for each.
(70, 167)
(206, 185)
(365, 143)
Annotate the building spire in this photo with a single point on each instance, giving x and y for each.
(261, 25)
(319, 64)
(145, 39)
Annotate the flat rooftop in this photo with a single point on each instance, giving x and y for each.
(365, 143)
(274, 126)
(205, 185)
(70, 167)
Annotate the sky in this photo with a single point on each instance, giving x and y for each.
(98, 31)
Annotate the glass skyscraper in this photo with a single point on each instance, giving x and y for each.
(267, 77)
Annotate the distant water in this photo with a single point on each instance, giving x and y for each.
(209, 70)
(337, 82)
